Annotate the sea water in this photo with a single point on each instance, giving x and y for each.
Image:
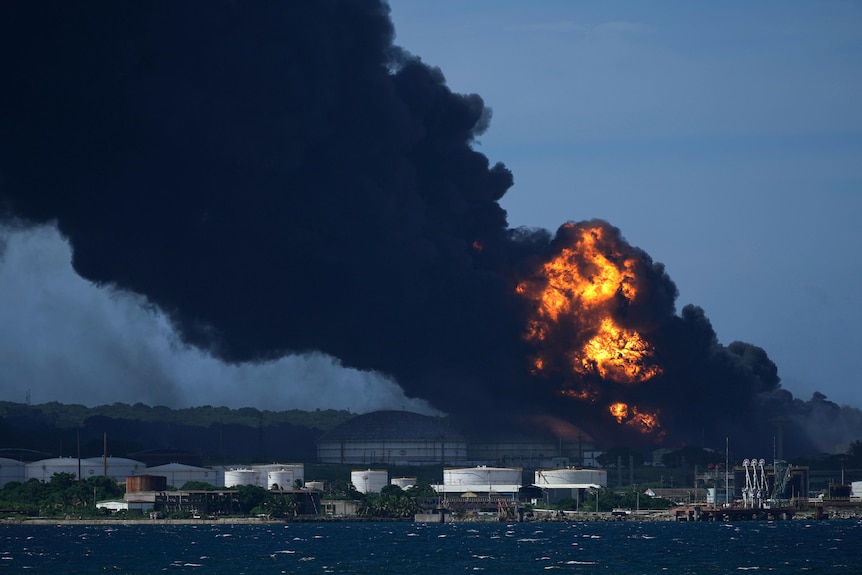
(629, 548)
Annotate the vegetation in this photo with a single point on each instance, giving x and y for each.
(608, 500)
(391, 502)
(198, 486)
(66, 496)
(73, 416)
(63, 495)
(214, 434)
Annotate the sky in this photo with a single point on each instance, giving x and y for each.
(725, 141)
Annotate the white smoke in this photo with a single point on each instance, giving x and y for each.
(65, 339)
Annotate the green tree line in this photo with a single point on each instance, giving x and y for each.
(73, 416)
(62, 495)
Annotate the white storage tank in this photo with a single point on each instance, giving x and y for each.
(314, 485)
(295, 470)
(483, 476)
(369, 480)
(570, 477)
(237, 477)
(503, 480)
(44, 469)
(404, 482)
(118, 467)
(279, 479)
(11, 470)
(178, 474)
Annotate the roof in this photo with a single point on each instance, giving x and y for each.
(392, 426)
(177, 467)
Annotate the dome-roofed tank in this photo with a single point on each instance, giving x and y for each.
(119, 467)
(44, 469)
(11, 470)
(284, 475)
(237, 477)
(369, 480)
(392, 437)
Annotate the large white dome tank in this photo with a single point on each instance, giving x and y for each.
(369, 480)
(44, 469)
(119, 467)
(11, 470)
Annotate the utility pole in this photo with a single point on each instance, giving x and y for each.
(727, 471)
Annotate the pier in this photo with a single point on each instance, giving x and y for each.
(704, 513)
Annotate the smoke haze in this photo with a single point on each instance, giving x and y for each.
(281, 178)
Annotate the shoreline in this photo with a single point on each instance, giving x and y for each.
(603, 517)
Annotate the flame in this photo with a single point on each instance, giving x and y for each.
(619, 410)
(618, 354)
(636, 418)
(576, 296)
(644, 422)
(580, 394)
(578, 287)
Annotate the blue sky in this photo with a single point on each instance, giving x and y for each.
(725, 139)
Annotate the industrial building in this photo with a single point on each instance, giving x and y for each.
(115, 505)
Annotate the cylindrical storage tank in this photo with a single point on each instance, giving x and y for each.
(237, 477)
(404, 482)
(135, 483)
(279, 479)
(297, 469)
(483, 478)
(178, 474)
(11, 470)
(570, 476)
(369, 480)
(44, 469)
(314, 485)
(118, 467)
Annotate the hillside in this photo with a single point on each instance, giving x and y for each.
(215, 434)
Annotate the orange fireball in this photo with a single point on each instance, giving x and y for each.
(576, 296)
(579, 287)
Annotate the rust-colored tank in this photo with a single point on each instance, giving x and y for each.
(146, 483)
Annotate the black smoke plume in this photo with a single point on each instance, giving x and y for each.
(281, 177)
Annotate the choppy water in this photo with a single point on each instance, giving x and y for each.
(417, 549)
